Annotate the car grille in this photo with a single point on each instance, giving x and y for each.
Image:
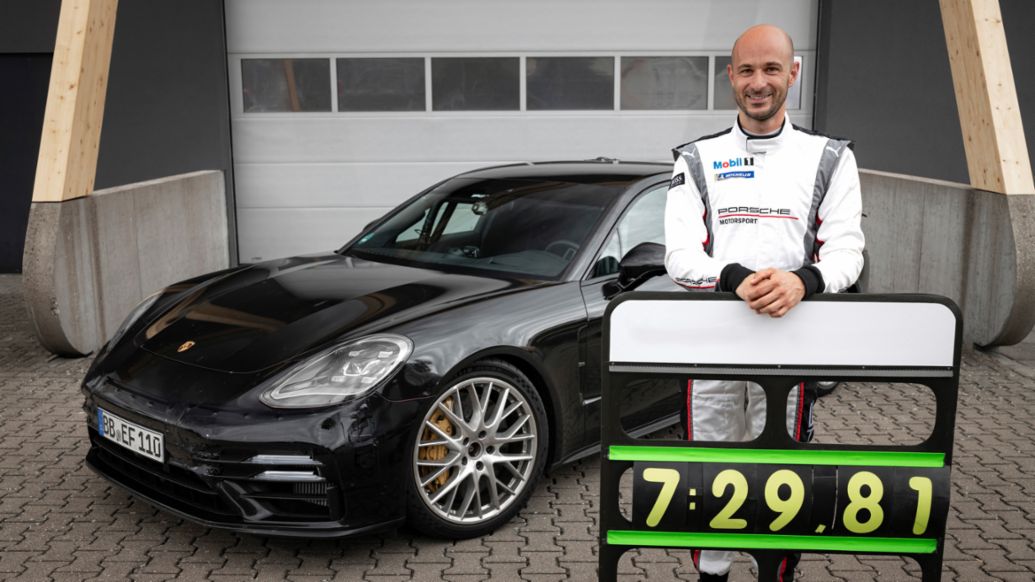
(275, 488)
(163, 482)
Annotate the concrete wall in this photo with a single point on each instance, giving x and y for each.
(977, 248)
(884, 81)
(88, 261)
(167, 108)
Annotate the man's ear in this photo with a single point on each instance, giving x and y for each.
(795, 69)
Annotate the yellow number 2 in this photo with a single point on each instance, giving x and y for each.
(922, 486)
(787, 508)
(725, 519)
(859, 502)
(669, 478)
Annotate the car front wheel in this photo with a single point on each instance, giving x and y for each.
(478, 452)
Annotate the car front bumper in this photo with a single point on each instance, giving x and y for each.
(333, 474)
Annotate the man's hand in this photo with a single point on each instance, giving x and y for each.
(772, 292)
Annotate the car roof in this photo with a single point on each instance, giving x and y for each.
(588, 171)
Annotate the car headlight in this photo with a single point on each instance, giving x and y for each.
(345, 371)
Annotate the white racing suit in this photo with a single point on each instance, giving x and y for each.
(737, 204)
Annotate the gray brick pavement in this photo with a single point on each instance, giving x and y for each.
(58, 521)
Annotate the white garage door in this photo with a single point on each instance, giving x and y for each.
(341, 110)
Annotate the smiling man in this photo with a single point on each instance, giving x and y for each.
(761, 73)
(768, 211)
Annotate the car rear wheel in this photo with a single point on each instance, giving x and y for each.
(478, 452)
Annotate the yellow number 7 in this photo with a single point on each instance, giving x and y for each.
(669, 478)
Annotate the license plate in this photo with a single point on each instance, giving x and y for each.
(132, 436)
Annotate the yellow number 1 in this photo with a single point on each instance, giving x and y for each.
(669, 478)
(922, 486)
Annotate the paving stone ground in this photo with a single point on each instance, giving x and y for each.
(59, 521)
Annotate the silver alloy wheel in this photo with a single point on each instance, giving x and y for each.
(475, 450)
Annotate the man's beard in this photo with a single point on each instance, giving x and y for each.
(778, 101)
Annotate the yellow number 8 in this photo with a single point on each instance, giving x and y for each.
(859, 502)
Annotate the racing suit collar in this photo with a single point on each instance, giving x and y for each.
(756, 144)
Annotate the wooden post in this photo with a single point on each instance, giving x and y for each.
(997, 154)
(67, 162)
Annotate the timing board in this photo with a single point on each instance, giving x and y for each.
(775, 495)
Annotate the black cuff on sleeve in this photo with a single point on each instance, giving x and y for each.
(732, 276)
(812, 278)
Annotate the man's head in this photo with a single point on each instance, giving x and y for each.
(761, 71)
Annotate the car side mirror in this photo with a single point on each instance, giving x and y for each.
(642, 262)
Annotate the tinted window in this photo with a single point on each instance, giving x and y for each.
(644, 222)
(664, 82)
(475, 84)
(286, 85)
(570, 82)
(387, 84)
(522, 227)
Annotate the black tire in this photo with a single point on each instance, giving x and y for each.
(825, 388)
(474, 461)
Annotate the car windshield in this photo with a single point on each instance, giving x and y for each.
(520, 227)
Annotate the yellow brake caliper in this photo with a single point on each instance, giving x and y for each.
(438, 452)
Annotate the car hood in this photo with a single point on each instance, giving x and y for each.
(273, 312)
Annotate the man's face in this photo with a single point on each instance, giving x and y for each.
(761, 72)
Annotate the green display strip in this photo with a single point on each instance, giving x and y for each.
(732, 541)
(775, 456)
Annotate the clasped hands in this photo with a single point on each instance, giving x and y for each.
(771, 291)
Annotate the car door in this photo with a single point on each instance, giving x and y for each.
(645, 401)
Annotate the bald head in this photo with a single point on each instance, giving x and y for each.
(761, 72)
(766, 39)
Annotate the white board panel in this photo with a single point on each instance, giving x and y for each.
(341, 185)
(812, 334)
(268, 233)
(486, 25)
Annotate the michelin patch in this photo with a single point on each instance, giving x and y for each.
(730, 175)
(677, 180)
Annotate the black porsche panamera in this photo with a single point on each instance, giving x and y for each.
(430, 369)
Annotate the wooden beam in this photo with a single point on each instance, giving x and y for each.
(67, 162)
(997, 154)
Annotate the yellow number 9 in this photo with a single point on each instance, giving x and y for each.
(787, 508)
(859, 502)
